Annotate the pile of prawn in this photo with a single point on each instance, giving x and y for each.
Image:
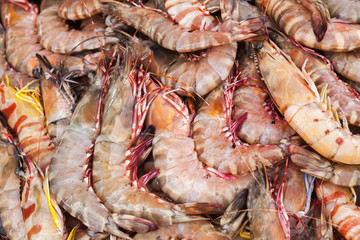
(172, 119)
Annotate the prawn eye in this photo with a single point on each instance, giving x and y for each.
(273, 35)
(259, 45)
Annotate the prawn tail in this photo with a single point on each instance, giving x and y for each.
(252, 28)
(232, 211)
(322, 225)
(233, 217)
(310, 162)
(198, 208)
(319, 25)
(134, 224)
(45, 66)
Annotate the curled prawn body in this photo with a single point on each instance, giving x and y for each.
(216, 150)
(112, 176)
(173, 37)
(79, 9)
(175, 156)
(10, 205)
(345, 9)
(262, 124)
(194, 230)
(343, 98)
(24, 115)
(69, 181)
(340, 208)
(56, 36)
(295, 20)
(22, 41)
(309, 115)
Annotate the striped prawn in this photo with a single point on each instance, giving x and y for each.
(295, 20)
(69, 174)
(56, 35)
(343, 98)
(175, 156)
(340, 208)
(216, 150)
(23, 111)
(21, 48)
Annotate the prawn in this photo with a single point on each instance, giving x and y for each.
(346, 64)
(175, 156)
(68, 170)
(295, 20)
(215, 147)
(262, 124)
(340, 208)
(343, 98)
(79, 9)
(307, 112)
(22, 41)
(24, 114)
(56, 36)
(345, 9)
(320, 167)
(169, 35)
(115, 159)
(10, 204)
(57, 99)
